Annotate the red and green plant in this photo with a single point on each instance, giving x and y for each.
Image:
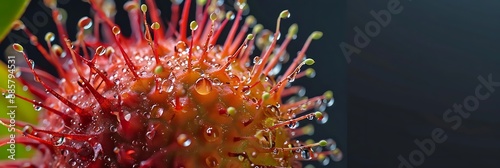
(169, 95)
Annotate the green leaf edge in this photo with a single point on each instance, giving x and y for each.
(17, 8)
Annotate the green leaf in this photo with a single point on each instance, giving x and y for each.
(24, 111)
(10, 11)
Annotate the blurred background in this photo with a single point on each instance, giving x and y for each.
(426, 59)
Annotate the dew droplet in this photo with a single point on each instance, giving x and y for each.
(17, 72)
(85, 23)
(310, 117)
(329, 102)
(332, 146)
(28, 148)
(116, 30)
(150, 134)
(275, 151)
(98, 129)
(72, 163)
(127, 117)
(291, 78)
(324, 119)
(180, 46)
(276, 69)
(37, 108)
(301, 92)
(8, 96)
(135, 142)
(28, 129)
(320, 106)
(183, 140)
(325, 161)
(212, 161)
(60, 141)
(159, 112)
(112, 128)
(107, 158)
(293, 125)
(253, 154)
(217, 82)
(116, 150)
(203, 86)
(97, 150)
(246, 90)
(241, 158)
(298, 150)
(305, 154)
(209, 131)
(65, 152)
(336, 155)
(257, 60)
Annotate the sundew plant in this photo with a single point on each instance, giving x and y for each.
(196, 89)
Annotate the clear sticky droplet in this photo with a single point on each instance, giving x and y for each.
(324, 119)
(291, 78)
(183, 140)
(320, 105)
(127, 117)
(28, 148)
(28, 129)
(65, 152)
(310, 117)
(275, 151)
(217, 82)
(203, 86)
(336, 155)
(37, 108)
(275, 70)
(306, 155)
(293, 125)
(112, 128)
(180, 46)
(257, 60)
(151, 134)
(332, 145)
(209, 131)
(325, 161)
(211, 134)
(241, 158)
(60, 141)
(329, 102)
(159, 112)
(212, 161)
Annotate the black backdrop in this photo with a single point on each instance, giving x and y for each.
(425, 60)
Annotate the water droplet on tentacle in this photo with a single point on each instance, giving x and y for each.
(203, 86)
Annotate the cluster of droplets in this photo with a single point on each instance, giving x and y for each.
(161, 97)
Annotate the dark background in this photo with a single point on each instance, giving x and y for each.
(398, 87)
(425, 60)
